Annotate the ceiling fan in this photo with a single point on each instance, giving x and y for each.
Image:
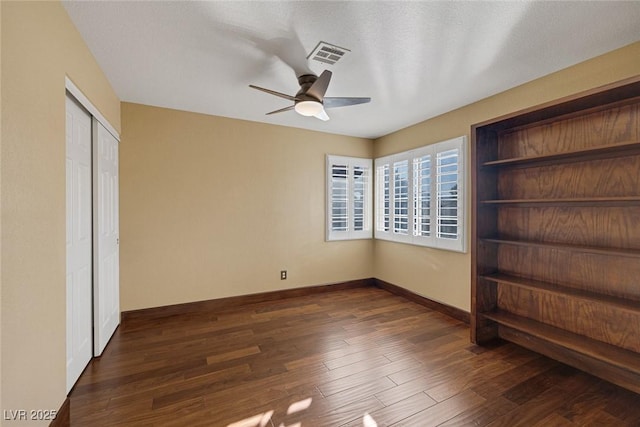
(310, 99)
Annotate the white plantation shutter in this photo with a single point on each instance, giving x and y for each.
(383, 198)
(401, 197)
(450, 159)
(339, 197)
(425, 190)
(361, 199)
(448, 194)
(422, 195)
(348, 198)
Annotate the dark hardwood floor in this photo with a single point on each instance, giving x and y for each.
(352, 352)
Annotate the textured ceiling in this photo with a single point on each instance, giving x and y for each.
(416, 60)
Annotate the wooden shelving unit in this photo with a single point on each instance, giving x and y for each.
(556, 231)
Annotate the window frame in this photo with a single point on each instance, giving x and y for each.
(350, 233)
(432, 240)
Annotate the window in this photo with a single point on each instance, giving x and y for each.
(425, 190)
(348, 198)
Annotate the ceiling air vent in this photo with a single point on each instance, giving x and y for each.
(327, 53)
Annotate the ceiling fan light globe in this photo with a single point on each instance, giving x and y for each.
(308, 108)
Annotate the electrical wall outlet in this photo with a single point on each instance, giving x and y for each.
(283, 274)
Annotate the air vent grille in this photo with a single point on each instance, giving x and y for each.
(327, 53)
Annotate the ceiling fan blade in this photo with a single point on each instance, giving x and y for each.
(319, 87)
(331, 102)
(273, 92)
(282, 110)
(322, 115)
(290, 50)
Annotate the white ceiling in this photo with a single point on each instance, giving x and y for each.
(416, 60)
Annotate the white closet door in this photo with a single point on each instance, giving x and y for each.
(106, 235)
(79, 240)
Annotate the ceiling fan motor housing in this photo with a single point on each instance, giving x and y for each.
(306, 81)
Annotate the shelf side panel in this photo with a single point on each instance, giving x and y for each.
(484, 221)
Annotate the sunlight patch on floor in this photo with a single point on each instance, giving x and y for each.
(261, 420)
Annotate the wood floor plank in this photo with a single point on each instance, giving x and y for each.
(352, 352)
(357, 367)
(534, 410)
(402, 409)
(235, 354)
(554, 420)
(344, 383)
(350, 359)
(444, 411)
(531, 388)
(361, 391)
(346, 413)
(321, 357)
(513, 376)
(482, 415)
(403, 391)
(623, 404)
(456, 384)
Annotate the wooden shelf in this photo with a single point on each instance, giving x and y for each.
(571, 202)
(635, 253)
(608, 353)
(549, 288)
(579, 155)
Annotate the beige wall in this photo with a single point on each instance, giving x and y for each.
(208, 205)
(212, 207)
(446, 276)
(39, 46)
